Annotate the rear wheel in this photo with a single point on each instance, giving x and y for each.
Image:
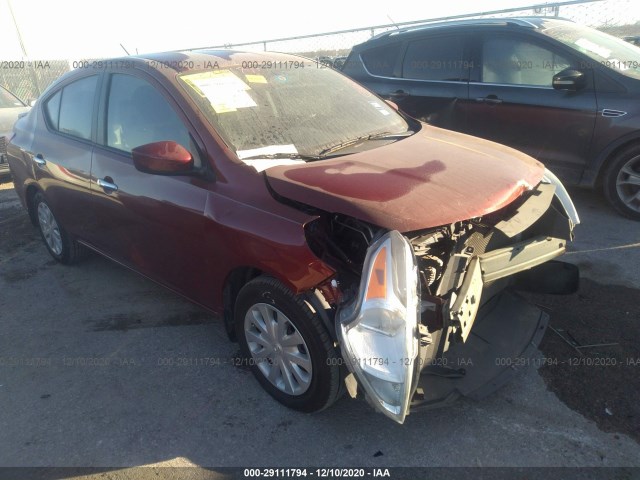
(61, 247)
(622, 182)
(287, 346)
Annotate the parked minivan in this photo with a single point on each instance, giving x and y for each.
(566, 94)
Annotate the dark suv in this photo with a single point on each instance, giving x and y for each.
(565, 94)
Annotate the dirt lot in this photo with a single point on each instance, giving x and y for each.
(99, 367)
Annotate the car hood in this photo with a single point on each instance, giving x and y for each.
(435, 177)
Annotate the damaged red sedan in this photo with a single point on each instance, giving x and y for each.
(347, 246)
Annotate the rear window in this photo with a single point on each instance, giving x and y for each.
(76, 107)
(52, 109)
(70, 110)
(381, 60)
(436, 58)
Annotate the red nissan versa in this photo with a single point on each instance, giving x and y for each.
(348, 246)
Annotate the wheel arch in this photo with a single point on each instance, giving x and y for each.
(235, 280)
(240, 276)
(594, 177)
(30, 194)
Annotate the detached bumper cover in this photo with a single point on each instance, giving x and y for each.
(505, 337)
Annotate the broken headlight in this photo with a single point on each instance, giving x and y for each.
(378, 330)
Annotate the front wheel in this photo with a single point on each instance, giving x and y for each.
(622, 182)
(287, 346)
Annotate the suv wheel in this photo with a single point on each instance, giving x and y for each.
(622, 182)
(287, 346)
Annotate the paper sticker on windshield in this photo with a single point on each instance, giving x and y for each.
(264, 163)
(593, 47)
(224, 90)
(255, 78)
(619, 64)
(270, 150)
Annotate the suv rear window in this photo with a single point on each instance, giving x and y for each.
(435, 58)
(382, 60)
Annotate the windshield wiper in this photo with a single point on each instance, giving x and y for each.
(373, 136)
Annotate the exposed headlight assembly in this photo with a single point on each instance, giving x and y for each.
(378, 330)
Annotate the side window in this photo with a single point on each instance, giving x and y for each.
(138, 114)
(381, 60)
(76, 107)
(518, 61)
(436, 58)
(52, 109)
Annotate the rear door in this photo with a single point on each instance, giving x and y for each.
(511, 101)
(153, 223)
(427, 76)
(62, 150)
(434, 80)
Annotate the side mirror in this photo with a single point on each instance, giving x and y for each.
(569, 79)
(393, 105)
(164, 158)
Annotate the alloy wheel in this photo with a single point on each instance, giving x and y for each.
(628, 183)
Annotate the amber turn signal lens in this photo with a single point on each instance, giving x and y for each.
(378, 279)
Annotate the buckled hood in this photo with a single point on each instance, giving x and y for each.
(435, 177)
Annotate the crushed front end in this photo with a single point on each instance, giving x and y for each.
(429, 316)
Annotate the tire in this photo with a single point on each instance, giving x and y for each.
(58, 242)
(310, 358)
(622, 182)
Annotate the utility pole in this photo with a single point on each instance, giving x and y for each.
(15, 24)
(34, 77)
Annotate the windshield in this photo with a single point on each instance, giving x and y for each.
(289, 108)
(7, 100)
(603, 48)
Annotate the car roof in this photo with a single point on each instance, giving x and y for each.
(182, 61)
(169, 64)
(532, 23)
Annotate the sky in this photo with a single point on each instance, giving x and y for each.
(75, 29)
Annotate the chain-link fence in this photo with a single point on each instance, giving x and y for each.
(617, 17)
(28, 79)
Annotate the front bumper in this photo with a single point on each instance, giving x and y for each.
(475, 330)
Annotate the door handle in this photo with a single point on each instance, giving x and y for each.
(490, 99)
(399, 94)
(39, 159)
(107, 185)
